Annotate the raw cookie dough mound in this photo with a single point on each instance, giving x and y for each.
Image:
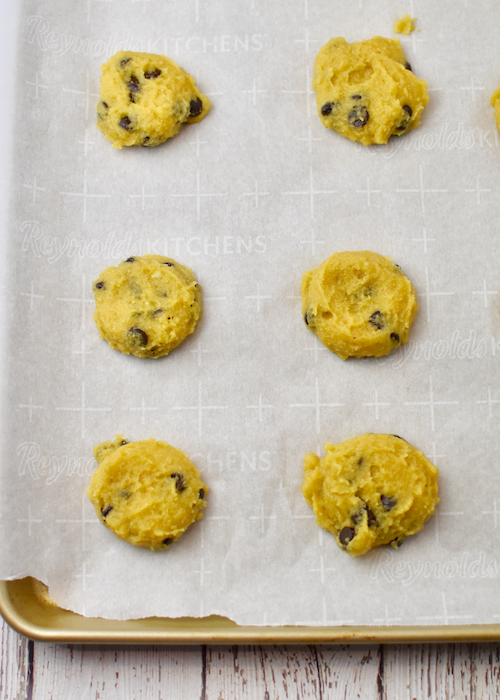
(359, 304)
(370, 490)
(495, 101)
(146, 305)
(366, 90)
(145, 98)
(146, 492)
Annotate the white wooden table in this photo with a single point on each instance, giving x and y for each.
(40, 671)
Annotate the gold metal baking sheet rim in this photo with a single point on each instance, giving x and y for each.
(26, 606)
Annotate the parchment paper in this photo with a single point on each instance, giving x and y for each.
(250, 198)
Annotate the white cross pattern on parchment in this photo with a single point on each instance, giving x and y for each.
(143, 196)
(309, 139)
(262, 518)
(325, 621)
(85, 195)
(202, 571)
(490, 402)
(431, 403)
(258, 297)
(37, 85)
(88, 94)
(260, 406)
(306, 41)
(313, 242)
(421, 190)
(29, 520)
(484, 293)
(143, 408)
(86, 142)
(198, 351)
(253, 91)
(424, 239)
(82, 520)
(82, 352)
(369, 191)
(84, 576)
(80, 300)
(428, 294)
(376, 404)
(307, 92)
(35, 188)
(256, 194)
(495, 512)
(311, 192)
(82, 408)
(200, 407)
(386, 620)
(317, 405)
(445, 618)
(197, 142)
(472, 87)
(478, 190)
(199, 195)
(31, 406)
(31, 295)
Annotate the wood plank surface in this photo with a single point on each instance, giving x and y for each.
(42, 671)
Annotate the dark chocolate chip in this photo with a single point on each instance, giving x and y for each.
(179, 481)
(395, 337)
(346, 535)
(124, 61)
(408, 110)
(168, 540)
(125, 494)
(100, 285)
(124, 442)
(388, 502)
(399, 437)
(396, 543)
(358, 116)
(125, 123)
(327, 109)
(372, 520)
(138, 335)
(360, 461)
(145, 142)
(376, 319)
(130, 260)
(408, 66)
(105, 105)
(355, 97)
(155, 313)
(305, 319)
(152, 73)
(195, 107)
(133, 84)
(201, 494)
(106, 511)
(168, 263)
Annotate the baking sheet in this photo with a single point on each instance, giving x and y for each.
(250, 198)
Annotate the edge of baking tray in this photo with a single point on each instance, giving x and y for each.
(27, 607)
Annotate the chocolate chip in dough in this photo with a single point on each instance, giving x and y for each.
(138, 336)
(346, 535)
(152, 73)
(195, 107)
(106, 511)
(125, 123)
(388, 502)
(180, 484)
(376, 319)
(358, 116)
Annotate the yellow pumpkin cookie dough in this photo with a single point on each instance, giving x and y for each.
(371, 490)
(146, 492)
(495, 101)
(146, 306)
(145, 99)
(359, 304)
(405, 25)
(366, 91)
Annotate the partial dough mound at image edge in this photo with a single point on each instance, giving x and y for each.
(146, 492)
(359, 304)
(146, 306)
(495, 102)
(366, 91)
(145, 99)
(372, 490)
